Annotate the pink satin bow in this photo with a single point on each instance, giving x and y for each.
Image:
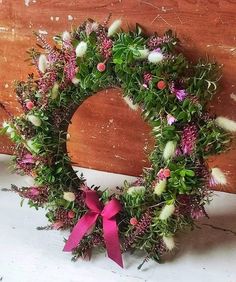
(110, 230)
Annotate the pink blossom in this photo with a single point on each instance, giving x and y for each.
(27, 159)
(170, 119)
(57, 225)
(34, 191)
(179, 93)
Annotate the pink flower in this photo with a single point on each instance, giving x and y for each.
(179, 93)
(163, 173)
(170, 119)
(57, 225)
(34, 191)
(27, 159)
(133, 221)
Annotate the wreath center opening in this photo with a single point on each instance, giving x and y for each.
(105, 134)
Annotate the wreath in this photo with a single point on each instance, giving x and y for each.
(172, 93)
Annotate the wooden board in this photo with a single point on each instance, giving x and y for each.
(204, 27)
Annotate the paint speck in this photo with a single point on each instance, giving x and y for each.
(27, 2)
(57, 19)
(233, 96)
(6, 85)
(70, 18)
(111, 120)
(3, 28)
(43, 32)
(51, 18)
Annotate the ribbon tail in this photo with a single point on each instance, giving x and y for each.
(79, 230)
(111, 239)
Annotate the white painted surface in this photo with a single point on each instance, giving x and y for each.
(29, 255)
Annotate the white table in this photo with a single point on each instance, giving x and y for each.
(29, 255)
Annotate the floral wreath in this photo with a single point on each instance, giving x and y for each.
(172, 94)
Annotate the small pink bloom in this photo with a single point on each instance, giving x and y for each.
(133, 221)
(34, 191)
(27, 159)
(145, 86)
(166, 172)
(170, 119)
(101, 67)
(163, 173)
(71, 214)
(29, 105)
(57, 225)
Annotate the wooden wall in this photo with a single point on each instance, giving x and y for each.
(105, 134)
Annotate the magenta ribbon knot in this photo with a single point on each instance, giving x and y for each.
(110, 229)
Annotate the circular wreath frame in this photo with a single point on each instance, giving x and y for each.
(173, 94)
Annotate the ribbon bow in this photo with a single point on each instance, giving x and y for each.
(110, 230)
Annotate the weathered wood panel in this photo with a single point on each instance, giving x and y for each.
(204, 27)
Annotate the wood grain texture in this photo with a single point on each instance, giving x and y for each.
(204, 27)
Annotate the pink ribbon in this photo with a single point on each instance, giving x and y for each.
(110, 230)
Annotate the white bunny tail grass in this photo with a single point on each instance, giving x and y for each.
(143, 54)
(130, 103)
(43, 63)
(167, 211)
(160, 187)
(217, 177)
(155, 57)
(81, 49)
(226, 124)
(169, 242)
(114, 27)
(66, 36)
(169, 150)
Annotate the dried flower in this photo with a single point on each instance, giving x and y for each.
(130, 103)
(167, 211)
(143, 54)
(217, 177)
(155, 56)
(75, 80)
(55, 89)
(226, 124)
(114, 27)
(69, 196)
(66, 37)
(36, 121)
(169, 242)
(160, 187)
(136, 190)
(169, 150)
(170, 119)
(42, 63)
(81, 49)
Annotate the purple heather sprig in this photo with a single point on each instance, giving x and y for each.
(170, 119)
(189, 138)
(178, 92)
(139, 229)
(156, 41)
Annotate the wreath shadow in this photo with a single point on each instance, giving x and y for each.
(218, 232)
